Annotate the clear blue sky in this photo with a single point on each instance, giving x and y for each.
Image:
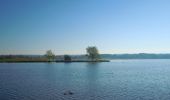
(69, 26)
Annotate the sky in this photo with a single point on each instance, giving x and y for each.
(69, 26)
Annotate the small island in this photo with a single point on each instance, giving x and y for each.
(91, 56)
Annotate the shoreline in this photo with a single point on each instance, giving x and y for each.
(57, 61)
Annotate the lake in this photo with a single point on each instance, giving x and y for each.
(116, 80)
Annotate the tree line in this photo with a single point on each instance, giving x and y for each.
(92, 54)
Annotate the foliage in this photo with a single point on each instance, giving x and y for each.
(92, 52)
(50, 55)
(67, 58)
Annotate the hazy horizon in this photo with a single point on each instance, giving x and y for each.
(42, 52)
(69, 26)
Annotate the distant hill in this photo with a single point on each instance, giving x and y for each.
(136, 56)
(103, 56)
(127, 56)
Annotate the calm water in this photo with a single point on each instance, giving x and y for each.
(116, 80)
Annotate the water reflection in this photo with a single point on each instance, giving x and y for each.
(88, 81)
(92, 71)
(92, 79)
(58, 73)
(50, 72)
(67, 76)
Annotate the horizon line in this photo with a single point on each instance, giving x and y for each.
(80, 54)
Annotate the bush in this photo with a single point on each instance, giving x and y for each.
(67, 58)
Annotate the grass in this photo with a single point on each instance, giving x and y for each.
(8, 60)
(24, 60)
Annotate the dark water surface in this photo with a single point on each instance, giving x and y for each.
(116, 80)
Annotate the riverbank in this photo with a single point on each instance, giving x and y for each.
(102, 60)
(46, 61)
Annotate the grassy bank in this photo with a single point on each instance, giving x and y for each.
(15, 60)
(23, 60)
(102, 60)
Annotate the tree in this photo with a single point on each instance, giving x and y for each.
(67, 58)
(92, 52)
(50, 55)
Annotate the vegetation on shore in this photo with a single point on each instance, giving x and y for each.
(79, 58)
(50, 56)
(92, 53)
(91, 56)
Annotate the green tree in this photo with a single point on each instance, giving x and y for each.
(50, 55)
(92, 53)
(67, 58)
